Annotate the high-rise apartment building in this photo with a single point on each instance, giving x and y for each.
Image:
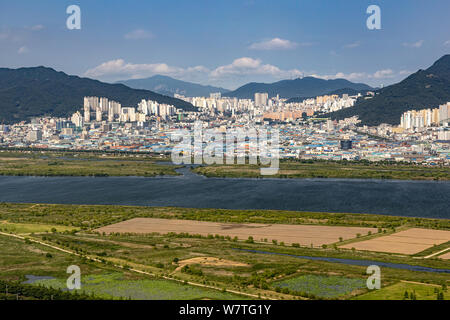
(261, 99)
(444, 113)
(77, 119)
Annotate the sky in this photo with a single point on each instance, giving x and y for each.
(226, 43)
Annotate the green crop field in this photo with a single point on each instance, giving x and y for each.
(21, 228)
(75, 164)
(397, 292)
(108, 261)
(114, 286)
(320, 286)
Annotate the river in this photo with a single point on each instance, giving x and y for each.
(430, 199)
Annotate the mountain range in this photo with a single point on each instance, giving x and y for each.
(298, 88)
(423, 89)
(169, 86)
(39, 91)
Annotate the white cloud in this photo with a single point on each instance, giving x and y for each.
(273, 44)
(447, 43)
(239, 71)
(23, 50)
(119, 70)
(383, 74)
(15, 36)
(352, 45)
(250, 66)
(354, 76)
(360, 76)
(138, 34)
(37, 27)
(417, 44)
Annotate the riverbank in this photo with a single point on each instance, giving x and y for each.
(329, 169)
(51, 164)
(72, 163)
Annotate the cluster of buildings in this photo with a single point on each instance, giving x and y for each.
(101, 109)
(271, 108)
(103, 124)
(291, 111)
(414, 120)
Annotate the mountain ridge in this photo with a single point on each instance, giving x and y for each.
(169, 86)
(423, 89)
(297, 88)
(39, 91)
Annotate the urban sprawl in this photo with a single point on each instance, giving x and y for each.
(423, 136)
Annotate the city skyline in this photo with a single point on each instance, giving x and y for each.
(226, 44)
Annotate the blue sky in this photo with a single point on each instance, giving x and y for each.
(226, 43)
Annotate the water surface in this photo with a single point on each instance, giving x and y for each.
(429, 199)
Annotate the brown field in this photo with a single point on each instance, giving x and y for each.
(410, 241)
(302, 234)
(445, 256)
(210, 261)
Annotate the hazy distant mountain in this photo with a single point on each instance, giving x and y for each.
(31, 92)
(169, 86)
(423, 89)
(298, 88)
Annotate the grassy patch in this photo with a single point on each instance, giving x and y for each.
(331, 169)
(114, 286)
(20, 228)
(320, 286)
(94, 216)
(397, 292)
(74, 164)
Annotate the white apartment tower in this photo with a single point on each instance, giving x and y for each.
(261, 99)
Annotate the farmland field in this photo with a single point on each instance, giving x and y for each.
(445, 256)
(6, 226)
(410, 241)
(322, 286)
(397, 292)
(304, 235)
(114, 286)
(146, 265)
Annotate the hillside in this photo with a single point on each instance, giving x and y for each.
(39, 91)
(424, 89)
(169, 86)
(298, 88)
(339, 92)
